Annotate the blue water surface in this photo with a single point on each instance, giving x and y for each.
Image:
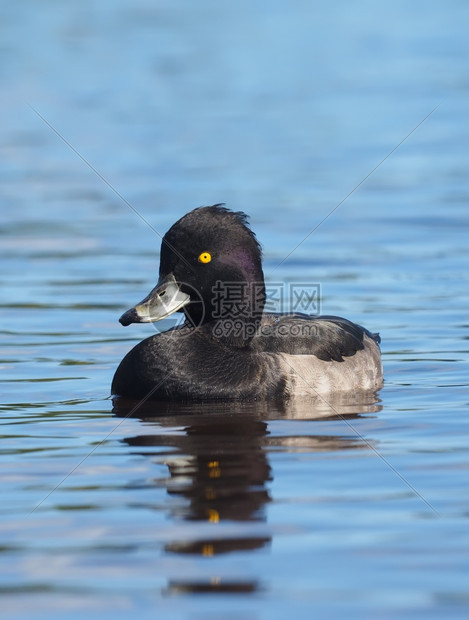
(119, 117)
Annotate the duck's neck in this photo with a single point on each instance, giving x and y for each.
(238, 314)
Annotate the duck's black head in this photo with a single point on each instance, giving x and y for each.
(211, 268)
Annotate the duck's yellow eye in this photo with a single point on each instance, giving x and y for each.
(205, 257)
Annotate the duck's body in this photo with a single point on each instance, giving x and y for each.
(236, 351)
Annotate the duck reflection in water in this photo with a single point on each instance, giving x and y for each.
(218, 462)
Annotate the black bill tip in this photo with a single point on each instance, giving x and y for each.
(129, 317)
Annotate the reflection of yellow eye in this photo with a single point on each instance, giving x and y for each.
(205, 257)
